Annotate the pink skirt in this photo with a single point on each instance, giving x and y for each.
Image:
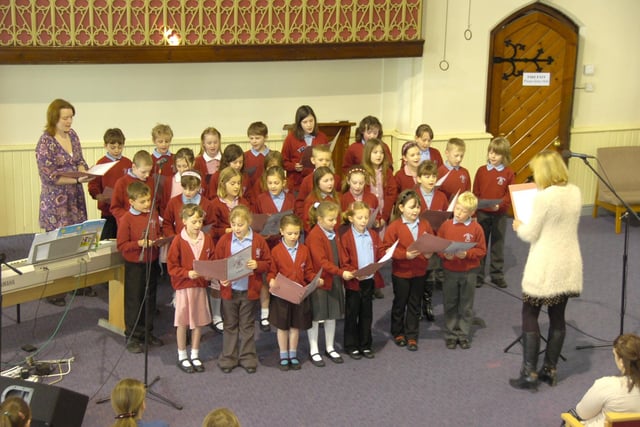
(192, 308)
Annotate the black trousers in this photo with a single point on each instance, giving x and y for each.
(358, 317)
(407, 300)
(135, 276)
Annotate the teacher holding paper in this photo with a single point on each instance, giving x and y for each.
(553, 271)
(61, 198)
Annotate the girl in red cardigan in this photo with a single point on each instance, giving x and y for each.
(327, 301)
(361, 247)
(293, 260)
(304, 134)
(408, 269)
(406, 177)
(233, 157)
(380, 178)
(208, 160)
(274, 200)
(192, 310)
(239, 297)
(355, 189)
(324, 189)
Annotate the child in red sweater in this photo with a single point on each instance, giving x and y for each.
(457, 178)
(232, 157)
(192, 310)
(355, 189)
(101, 188)
(305, 133)
(292, 259)
(460, 269)
(274, 200)
(140, 255)
(172, 218)
(424, 137)
(254, 157)
(381, 182)
(183, 161)
(406, 177)
(361, 247)
(327, 301)
(324, 189)
(492, 183)
(408, 269)
(320, 157)
(208, 160)
(240, 296)
(140, 171)
(368, 128)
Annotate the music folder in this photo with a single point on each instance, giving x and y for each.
(291, 291)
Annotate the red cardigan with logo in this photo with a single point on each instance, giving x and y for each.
(180, 262)
(351, 257)
(400, 265)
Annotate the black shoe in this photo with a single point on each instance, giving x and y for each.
(368, 354)
(334, 356)
(226, 370)
(264, 325)
(155, 341)
(284, 364)
(317, 361)
(198, 367)
(250, 369)
(451, 343)
(465, 344)
(355, 354)
(294, 364)
(186, 366)
(479, 282)
(400, 341)
(217, 326)
(412, 345)
(134, 347)
(377, 293)
(499, 282)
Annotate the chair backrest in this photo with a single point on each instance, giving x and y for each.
(622, 419)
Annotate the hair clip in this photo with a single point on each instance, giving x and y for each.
(316, 204)
(407, 145)
(125, 415)
(356, 169)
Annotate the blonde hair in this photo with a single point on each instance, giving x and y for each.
(14, 412)
(142, 158)
(353, 207)
(161, 130)
(456, 143)
(221, 417)
(137, 189)
(273, 171)
(209, 131)
(225, 176)
(501, 146)
(353, 170)
(127, 400)
(240, 211)
(468, 200)
(322, 210)
(549, 169)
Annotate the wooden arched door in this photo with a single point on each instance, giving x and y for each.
(524, 103)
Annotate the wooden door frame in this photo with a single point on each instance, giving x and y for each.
(566, 109)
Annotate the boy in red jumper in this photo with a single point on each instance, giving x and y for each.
(254, 157)
(113, 143)
(492, 182)
(140, 255)
(460, 269)
(140, 172)
(458, 178)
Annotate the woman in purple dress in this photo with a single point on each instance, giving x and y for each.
(61, 198)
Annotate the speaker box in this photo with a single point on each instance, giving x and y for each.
(50, 405)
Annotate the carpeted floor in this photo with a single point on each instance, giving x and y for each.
(433, 386)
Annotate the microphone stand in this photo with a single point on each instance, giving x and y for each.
(3, 258)
(625, 252)
(147, 305)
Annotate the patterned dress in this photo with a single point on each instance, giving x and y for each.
(60, 205)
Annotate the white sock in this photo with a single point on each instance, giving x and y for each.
(215, 310)
(194, 356)
(182, 354)
(312, 334)
(264, 313)
(329, 334)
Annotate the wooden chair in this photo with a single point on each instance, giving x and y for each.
(612, 419)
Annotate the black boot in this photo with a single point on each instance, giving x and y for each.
(427, 307)
(548, 373)
(528, 376)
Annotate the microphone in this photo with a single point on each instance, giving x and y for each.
(567, 154)
(162, 161)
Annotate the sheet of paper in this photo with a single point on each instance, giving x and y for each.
(232, 268)
(428, 243)
(332, 143)
(522, 196)
(370, 269)
(435, 218)
(458, 246)
(97, 170)
(268, 224)
(291, 291)
(443, 179)
(372, 217)
(452, 204)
